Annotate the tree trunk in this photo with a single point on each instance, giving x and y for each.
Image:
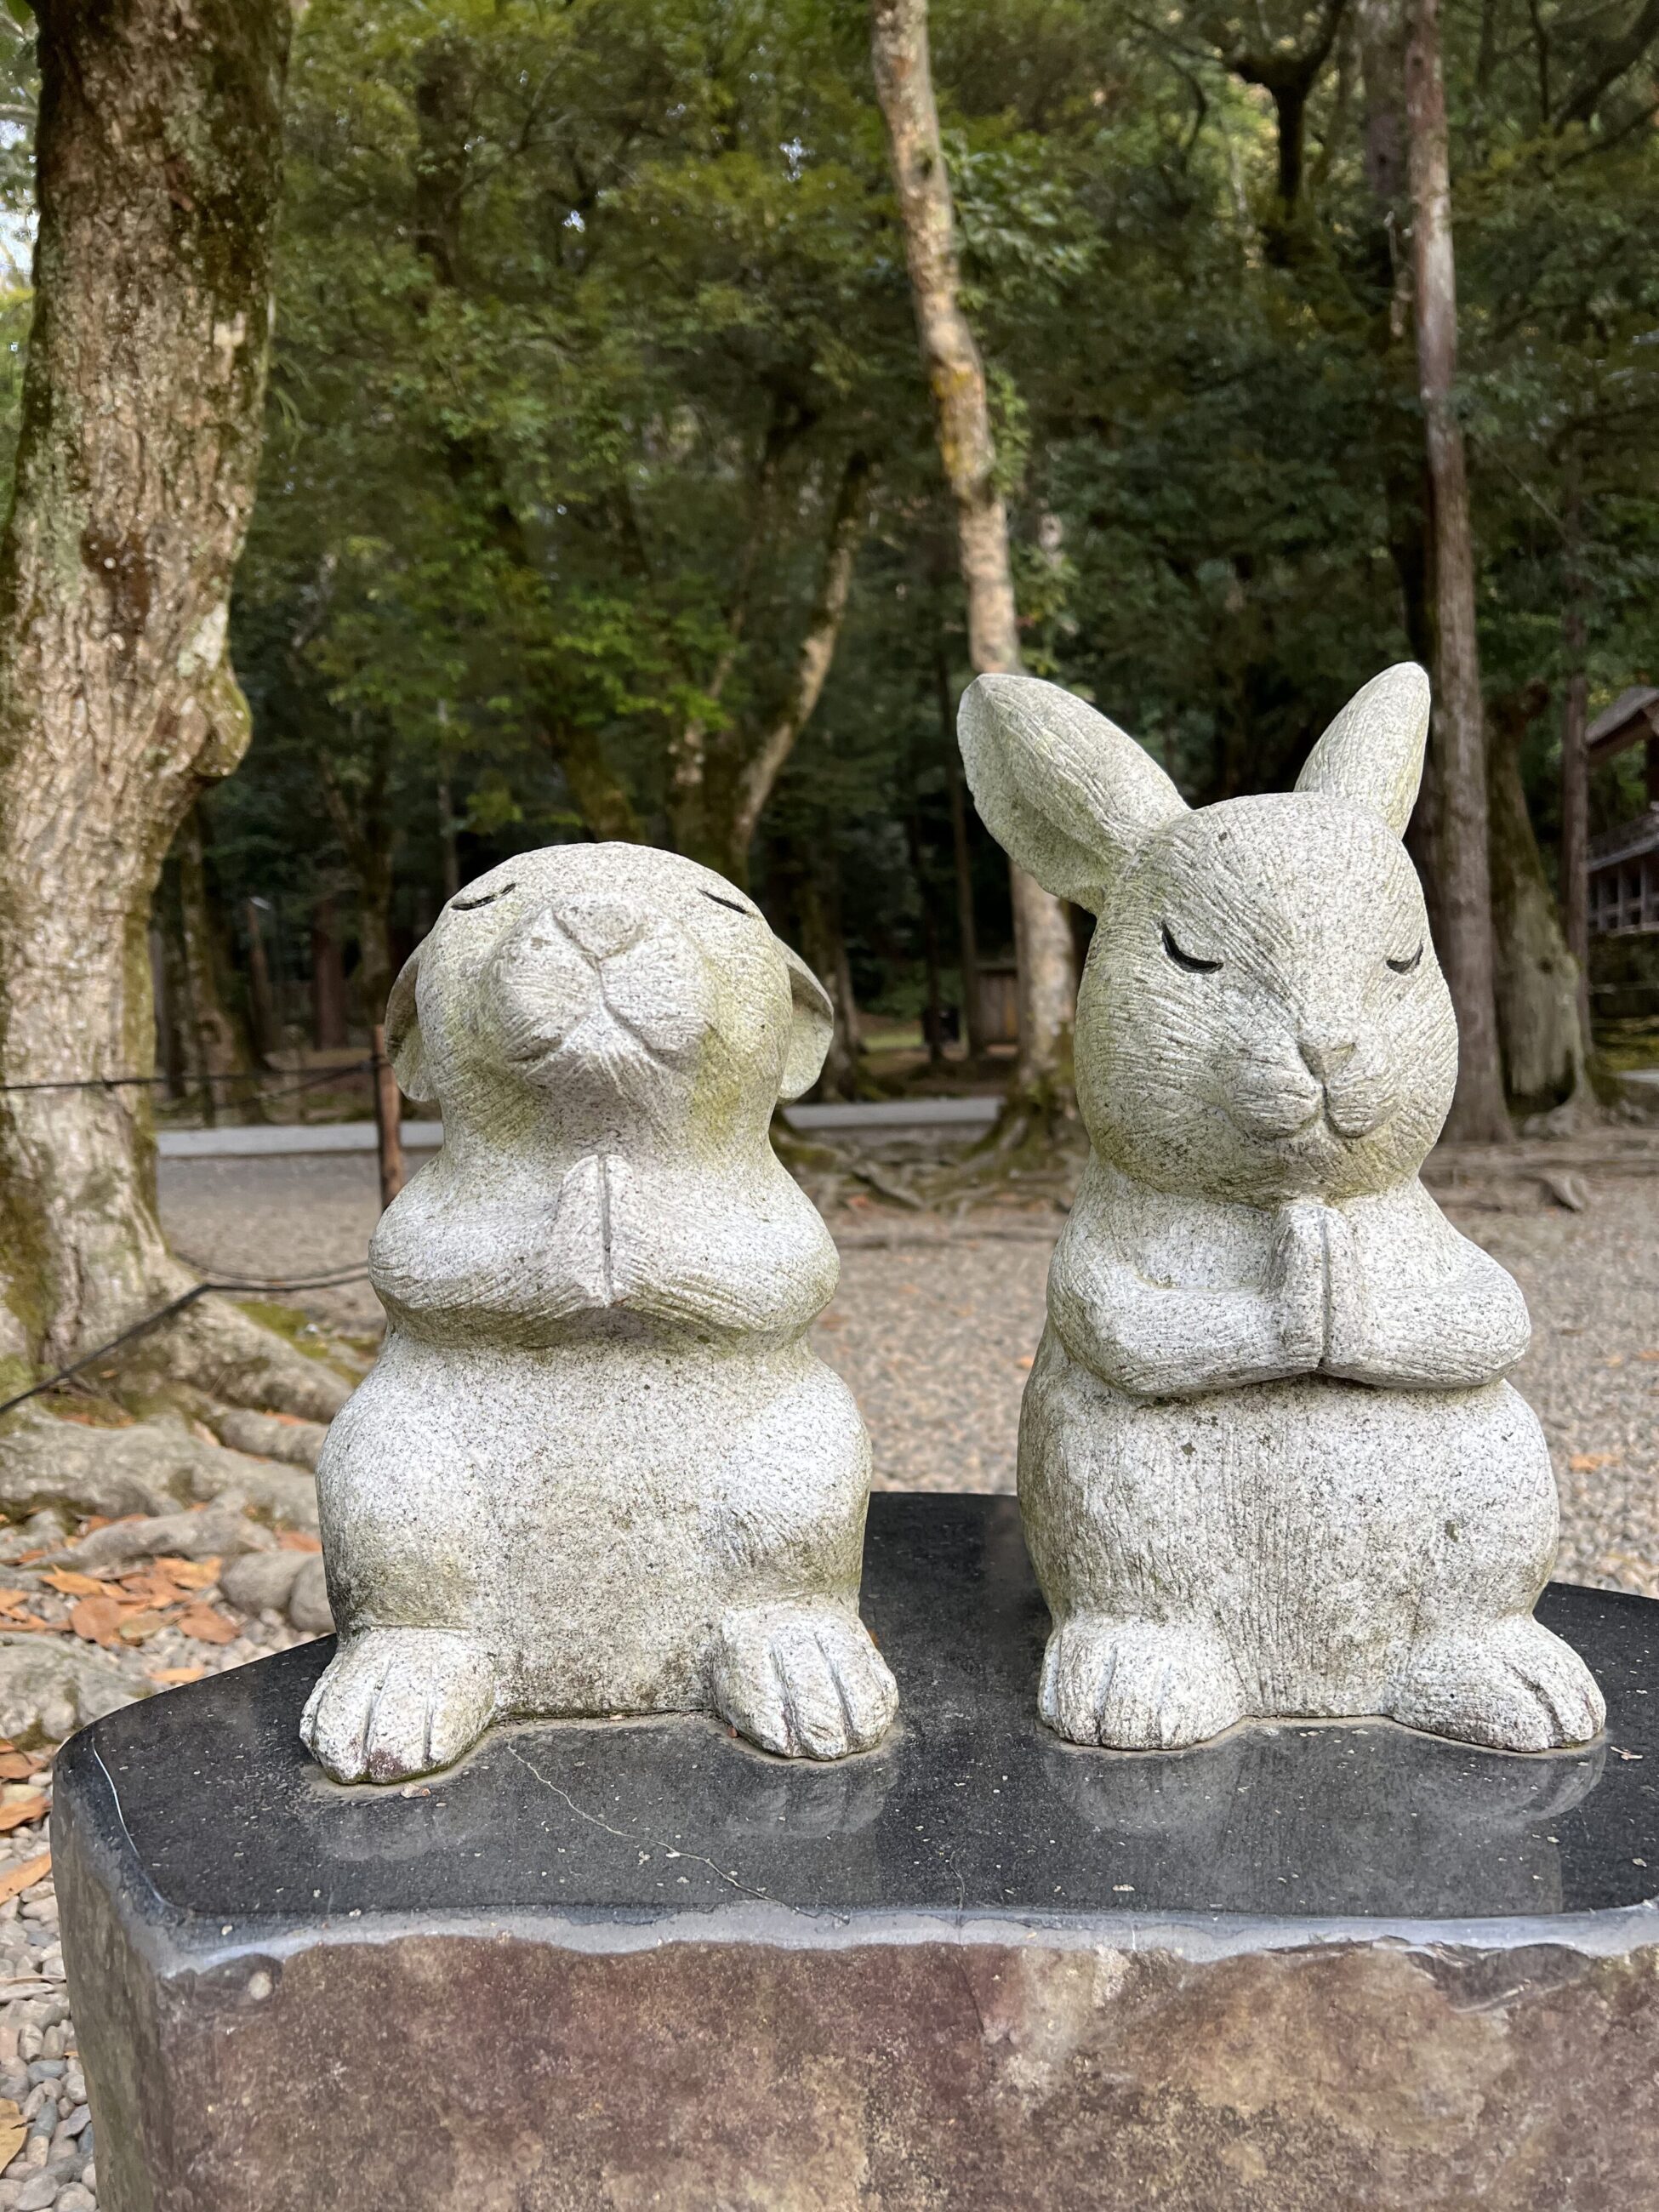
(933, 1010)
(1575, 762)
(973, 1019)
(158, 161)
(824, 948)
(217, 1048)
(262, 1009)
(956, 377)
(1466, 951)
(328, 1006)
(1537, 978)
(765, 757)
(721, 781)
(364, 830)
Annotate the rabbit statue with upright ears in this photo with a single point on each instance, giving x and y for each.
(1268, 1462)
(598, 1467)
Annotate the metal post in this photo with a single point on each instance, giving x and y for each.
(388, 1120)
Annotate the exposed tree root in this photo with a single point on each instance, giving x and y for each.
(150, 1467)
(49, 1689)
(238, 1358)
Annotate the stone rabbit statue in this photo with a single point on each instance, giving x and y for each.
(597, 1470)
(1268, 1464)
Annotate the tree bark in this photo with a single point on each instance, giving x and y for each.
(362, 821)
(824, 948)
(1545, 1063)
(158, 161)
(1467, 952)
(262, 1009)
(765, 757)
(722, 780)
(216, 1048)
(328, 1000)
(956, 377)
(1575, 763)
(973, 1019)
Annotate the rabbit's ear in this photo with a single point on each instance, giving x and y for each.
(1373, 751)
(403, 1033)
(812, 1023)
(1062, 790)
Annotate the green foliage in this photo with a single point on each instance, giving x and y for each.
(586, 309)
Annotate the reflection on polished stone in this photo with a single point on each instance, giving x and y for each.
(970, 1807)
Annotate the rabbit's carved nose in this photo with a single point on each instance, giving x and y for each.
(1326, 1055)
(601, 925)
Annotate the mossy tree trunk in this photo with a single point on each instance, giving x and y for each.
(1545, 1050)
(956, 376)
(1462, 833)
(158, 166)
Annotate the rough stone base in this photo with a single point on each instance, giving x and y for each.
(751, 1993)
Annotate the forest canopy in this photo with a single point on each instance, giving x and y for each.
(600, 496)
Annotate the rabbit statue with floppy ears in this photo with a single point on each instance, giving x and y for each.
(598, 1467)
(1268, 1462)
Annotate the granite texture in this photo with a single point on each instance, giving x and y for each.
(1268, 1460)
(597, 1467)
(639, 1963)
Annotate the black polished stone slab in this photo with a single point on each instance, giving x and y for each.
(609, 1964)
(974, 1807)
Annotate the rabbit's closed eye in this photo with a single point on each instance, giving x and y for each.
(1405, 967)
(731, 905)
(1187, 960)
(484, 899)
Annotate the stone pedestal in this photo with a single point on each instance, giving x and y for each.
(632, 1964)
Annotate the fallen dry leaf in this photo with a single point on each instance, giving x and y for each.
(204, 1623)
(148, 1590)
(98, 1619)
(68, 1583)
(1589, 1463)
(144, 1623)
(16, 1879)
(13, 2132)
(171, 1676)
(1026, 1360)
(1648, 1355)
(298, 1540)
(10, 1600)
(32, 1625)
(21, 1811)
(18, 1766)
(189, 1574)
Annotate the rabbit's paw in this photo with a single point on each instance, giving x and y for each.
(1137, 1685)
(397, 1702)
(1511, 1686)
(804, 1680)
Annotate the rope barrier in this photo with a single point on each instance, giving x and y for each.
(310, 1082)
(230, 1283)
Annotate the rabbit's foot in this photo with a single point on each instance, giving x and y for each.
(397, 1702)
(1137, 1685)
(804, 1680)
(1512, 1685)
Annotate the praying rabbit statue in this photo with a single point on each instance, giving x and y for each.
(1269, 1464)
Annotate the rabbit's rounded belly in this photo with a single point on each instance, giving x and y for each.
(569, 1505)
(1318, 1525)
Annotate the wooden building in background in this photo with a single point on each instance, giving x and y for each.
(1623, 888)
